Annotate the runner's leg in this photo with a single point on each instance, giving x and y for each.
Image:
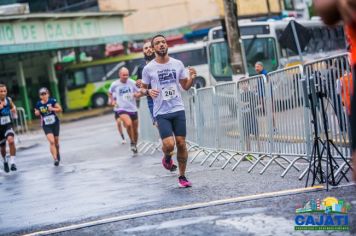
(3, 151)
(165, 128)
(11, 141)
(128, 125)
(6, 160)
(168, 146)
(119, 127)
(182, 154)
(56, 141)
(52, 145)
(180, 132)
(135, 130)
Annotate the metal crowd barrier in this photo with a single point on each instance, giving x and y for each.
(332, 80)
(20, 123)
(148, 133)
(290, 137)
(189, 100)
(207, 123)
(264, 121)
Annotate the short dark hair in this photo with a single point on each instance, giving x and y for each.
(2, 86)
(156, 36)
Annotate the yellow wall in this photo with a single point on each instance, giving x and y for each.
(252, 7)
(156, 15)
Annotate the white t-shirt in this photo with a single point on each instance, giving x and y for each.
(123, 93)
(165, 78)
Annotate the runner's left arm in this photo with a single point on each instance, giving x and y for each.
(56, 107)
(187, 83)
(13, 109)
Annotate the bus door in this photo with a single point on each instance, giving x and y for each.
(219, 61)
(76, 89)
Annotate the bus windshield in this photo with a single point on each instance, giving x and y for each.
(256, 49)
(263, 50)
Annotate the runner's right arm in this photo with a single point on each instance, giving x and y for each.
(145, 82)
(111, 100)
(37, 110)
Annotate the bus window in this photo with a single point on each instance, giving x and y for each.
(95, 73)
(219, 61)
(112, 70)
(76, 80)
(133, 65)
(260, 49)
(191, 58)
(322, 39)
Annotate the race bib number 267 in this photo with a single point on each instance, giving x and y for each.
(169, 93)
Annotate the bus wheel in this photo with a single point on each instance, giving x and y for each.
(99, 100)
(199, 82)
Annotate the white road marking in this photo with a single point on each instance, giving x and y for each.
(175, 209)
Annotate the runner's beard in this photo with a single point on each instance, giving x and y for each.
(162, 53)
(150, 57)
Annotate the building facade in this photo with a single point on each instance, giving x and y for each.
(162, 15)
(29, 46)
(37, 6)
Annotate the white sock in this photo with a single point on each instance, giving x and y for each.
(12, 160)
(7, 159)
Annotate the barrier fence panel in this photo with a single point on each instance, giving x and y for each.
(20, 123)
(207, 122)
(227, 122)
(291, 124)
(226, 103)
(148, 133)
(206, 117)
(253, 109)
(190, 104)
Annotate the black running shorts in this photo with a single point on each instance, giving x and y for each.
(5, 131)
(52, 129)
(172, 124)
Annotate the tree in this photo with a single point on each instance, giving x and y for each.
(233, 36)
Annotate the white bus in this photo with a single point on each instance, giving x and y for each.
(260, 43)
(195, 55)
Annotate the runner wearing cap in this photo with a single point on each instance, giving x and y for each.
(47, 108)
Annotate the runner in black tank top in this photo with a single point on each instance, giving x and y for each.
(7, 111)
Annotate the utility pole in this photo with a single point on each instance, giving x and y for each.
(233, 36)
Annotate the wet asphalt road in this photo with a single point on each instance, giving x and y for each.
(100, 178)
